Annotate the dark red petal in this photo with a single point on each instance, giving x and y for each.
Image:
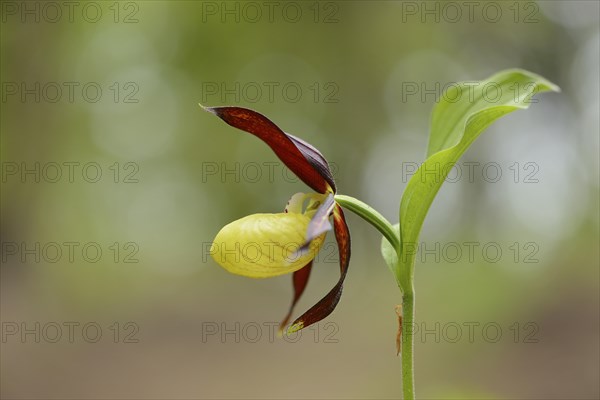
(299, 279)
(327, 304)
(342, 236)
(303, 159)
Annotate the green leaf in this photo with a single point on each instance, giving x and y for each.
(462, 113)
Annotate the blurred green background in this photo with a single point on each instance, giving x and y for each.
(113, 88)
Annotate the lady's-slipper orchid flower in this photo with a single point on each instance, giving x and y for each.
(266, 245)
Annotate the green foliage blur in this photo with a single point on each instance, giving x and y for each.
(114, 183)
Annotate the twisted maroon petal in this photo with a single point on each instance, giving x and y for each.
(327, 304)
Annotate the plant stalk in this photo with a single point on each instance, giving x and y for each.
(405, 280)
(407, 354)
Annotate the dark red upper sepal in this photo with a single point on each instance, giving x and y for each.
(303, 159)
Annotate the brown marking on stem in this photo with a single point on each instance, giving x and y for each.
(399, 334)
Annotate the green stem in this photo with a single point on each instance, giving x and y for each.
(406, 268)
(405, 282)
(370, 215)
(408, 316)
